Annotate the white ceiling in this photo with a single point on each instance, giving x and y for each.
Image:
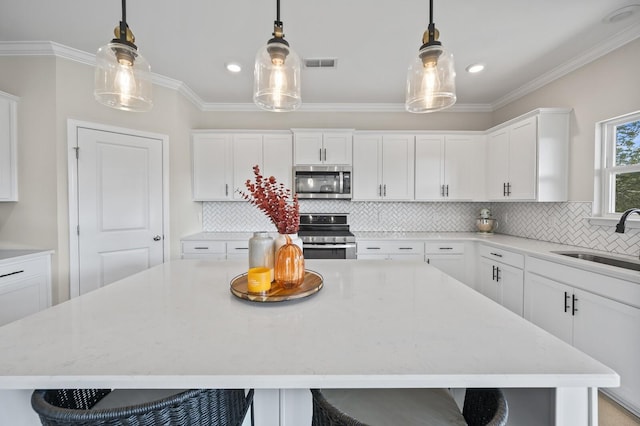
(520, 41)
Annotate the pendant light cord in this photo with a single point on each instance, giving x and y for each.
(277, 10)
(124, 11)
(430, 12)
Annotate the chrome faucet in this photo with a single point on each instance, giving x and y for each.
(623, 219)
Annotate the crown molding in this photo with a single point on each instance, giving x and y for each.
(339, 107)
(620, 39)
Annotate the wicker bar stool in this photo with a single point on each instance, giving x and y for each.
(196, 407)
(378, 407)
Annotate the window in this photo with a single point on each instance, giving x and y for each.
(620, 164)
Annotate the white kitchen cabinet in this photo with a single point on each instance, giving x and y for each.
(25, 286)
(449, 167)
(597, 314)
(223, 161)
(383, 167)
(449, 257)
(322, 146)
(527, 157)
(502, 277)
(8, 147)
(390, 250)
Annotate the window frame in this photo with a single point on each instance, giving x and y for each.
(605, 167)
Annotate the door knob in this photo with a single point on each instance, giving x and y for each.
(157, 238)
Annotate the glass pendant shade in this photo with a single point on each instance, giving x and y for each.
(431, 84)
(276, 83)
(123, 78)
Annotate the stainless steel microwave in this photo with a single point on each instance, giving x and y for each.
(322, 181)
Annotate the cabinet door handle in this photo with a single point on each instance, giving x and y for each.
(442, 190)
(493, 275)
(428, 261)
(11, 273)
(574, 309)
(226, 189)
(496, 254)
(447, 190)
(385, 189)
(504, 189)
(508, 189)
(325, 154)
(497, 274)
(380, 190)
(566, 301)
(320, 153)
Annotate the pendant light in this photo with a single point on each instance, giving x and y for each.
(431, 84)
(276, 77)
(123, 75)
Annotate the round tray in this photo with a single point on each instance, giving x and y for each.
(312, 284)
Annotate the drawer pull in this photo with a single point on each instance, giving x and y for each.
(242, 248)
(201, 248)
(373, 248)
(496, 254)
(445, 248)
(11, 273)
(405, 248)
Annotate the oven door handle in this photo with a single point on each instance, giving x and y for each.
(329, 246)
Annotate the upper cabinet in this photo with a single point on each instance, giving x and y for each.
(449, 167)
(223, 161)
(383, 166)
(323, 146)
(527, 157)
(8, 147)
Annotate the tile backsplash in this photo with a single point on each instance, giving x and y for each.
(564, 223)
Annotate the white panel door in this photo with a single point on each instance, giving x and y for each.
(429, 167)
(511, 287)
(464, 167)
(119, 206)
(308, 147)
(212, 167)
(337, 148)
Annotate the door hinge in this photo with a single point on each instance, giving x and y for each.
(77, 149)
(78, 229)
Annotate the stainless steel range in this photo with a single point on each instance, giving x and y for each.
(326, 236)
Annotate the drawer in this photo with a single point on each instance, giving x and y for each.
(237, 249)
(23, 268)
(503, 256)
(390, 247)
(444, 248)
(203, 247)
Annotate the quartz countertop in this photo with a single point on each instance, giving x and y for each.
(9, 255)
(373, 324)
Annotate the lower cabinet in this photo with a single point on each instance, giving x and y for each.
(390, 250)
(448, 257)
(502, 277)
(25, 287)
(557, 299)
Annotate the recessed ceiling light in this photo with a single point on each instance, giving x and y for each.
(234, 67)
(475, 68)
(621, 14)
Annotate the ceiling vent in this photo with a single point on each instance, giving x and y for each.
(320, 63)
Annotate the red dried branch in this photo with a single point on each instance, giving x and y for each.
(275, 201)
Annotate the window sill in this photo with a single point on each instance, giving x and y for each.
(612, 222)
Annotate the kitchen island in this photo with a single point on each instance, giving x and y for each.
(373, 324)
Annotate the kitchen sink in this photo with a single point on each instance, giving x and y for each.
(598, 258)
